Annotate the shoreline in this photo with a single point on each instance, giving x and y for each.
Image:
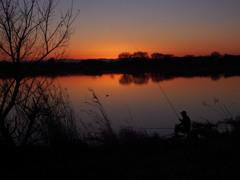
(174, 67)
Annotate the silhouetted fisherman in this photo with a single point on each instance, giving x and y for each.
(184, 125)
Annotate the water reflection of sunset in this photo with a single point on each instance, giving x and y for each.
(147, 103)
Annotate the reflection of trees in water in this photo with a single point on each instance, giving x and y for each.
(215, 77)
(126, 79)
(157, 77)
(142, 78)
(139, 79)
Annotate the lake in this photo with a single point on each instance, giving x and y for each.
(139, 99)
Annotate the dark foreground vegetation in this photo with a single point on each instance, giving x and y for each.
(227, 65)
(130, 154)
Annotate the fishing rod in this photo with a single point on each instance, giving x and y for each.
(168, 100)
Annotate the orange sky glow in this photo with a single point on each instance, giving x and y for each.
(106, 28)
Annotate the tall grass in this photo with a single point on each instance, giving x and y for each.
(220, 108)
(100, 130)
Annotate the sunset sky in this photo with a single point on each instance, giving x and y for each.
(105, 28)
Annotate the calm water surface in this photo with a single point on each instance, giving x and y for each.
(138, 100)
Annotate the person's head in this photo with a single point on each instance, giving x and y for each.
(183, 113)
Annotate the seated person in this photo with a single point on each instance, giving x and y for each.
(184, 125)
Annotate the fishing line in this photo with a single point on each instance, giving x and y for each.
(168, 100)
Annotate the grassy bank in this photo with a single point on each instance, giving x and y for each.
(130, 155)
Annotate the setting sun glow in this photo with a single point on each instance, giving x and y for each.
(106, 28)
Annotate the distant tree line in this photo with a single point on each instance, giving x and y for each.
(145, 55)
(139, 62)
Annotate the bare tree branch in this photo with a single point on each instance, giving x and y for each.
(29, 31)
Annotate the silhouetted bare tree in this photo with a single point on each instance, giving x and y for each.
(140, 55)
(216, 55)
(28, 31)
(157, 56)
(125, 55)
